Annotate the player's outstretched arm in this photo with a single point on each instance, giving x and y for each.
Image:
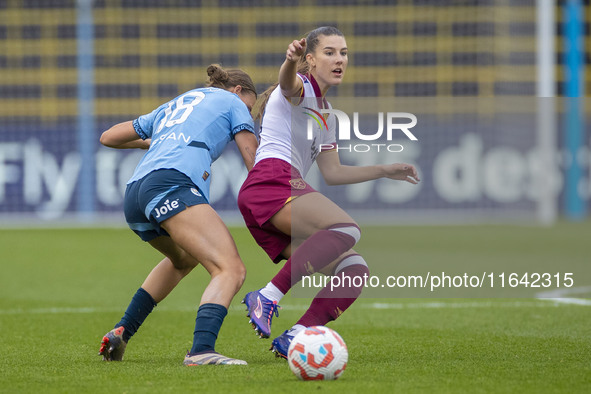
(247, 145)
(334, 173)
(123, 136)
(289, 83)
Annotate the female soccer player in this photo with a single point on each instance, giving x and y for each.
(166, 203)
(286, 216)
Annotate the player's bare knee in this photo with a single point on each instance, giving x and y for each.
(239, 274)
(234, 273)
(233, 277)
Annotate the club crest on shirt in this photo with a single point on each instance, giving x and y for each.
(205, 175)
(297, 183)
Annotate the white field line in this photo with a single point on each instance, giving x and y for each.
(571, 301)
(542, 302)
(562, 295)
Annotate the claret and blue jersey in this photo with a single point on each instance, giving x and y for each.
(190, 132)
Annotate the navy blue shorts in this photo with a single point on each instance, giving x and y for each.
(156, 197)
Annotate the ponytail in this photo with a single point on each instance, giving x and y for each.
(226, 79)
(218, 77)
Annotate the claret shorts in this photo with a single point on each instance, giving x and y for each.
(270, 185)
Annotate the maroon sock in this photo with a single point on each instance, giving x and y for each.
(315, 253)
(331, 303)
(282, 280)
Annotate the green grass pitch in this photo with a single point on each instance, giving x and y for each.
(62, 289)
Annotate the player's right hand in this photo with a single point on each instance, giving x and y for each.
(295, 50)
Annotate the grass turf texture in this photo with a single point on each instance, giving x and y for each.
(61, 290)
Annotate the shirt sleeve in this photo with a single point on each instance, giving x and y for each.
(301, 94)
(144, 125)
(240, 118)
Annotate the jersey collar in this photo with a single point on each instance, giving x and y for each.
(322, 103)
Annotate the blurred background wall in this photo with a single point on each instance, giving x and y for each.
(70, 69)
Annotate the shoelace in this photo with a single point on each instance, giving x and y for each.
(274, 308)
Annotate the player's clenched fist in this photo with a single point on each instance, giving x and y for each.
(295, 50)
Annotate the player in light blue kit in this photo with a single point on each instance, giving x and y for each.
(167, 204)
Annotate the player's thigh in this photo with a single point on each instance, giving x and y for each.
(295, 243)
(308, 214)
(177, 255)
(201, 232)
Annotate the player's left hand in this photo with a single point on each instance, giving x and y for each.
(402, 172)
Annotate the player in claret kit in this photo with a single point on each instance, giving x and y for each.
(286, 216)
(166, 204)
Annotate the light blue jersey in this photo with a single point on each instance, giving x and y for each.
(190, 132)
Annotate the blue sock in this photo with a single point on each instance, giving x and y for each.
(207, 326)
(139, 308)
